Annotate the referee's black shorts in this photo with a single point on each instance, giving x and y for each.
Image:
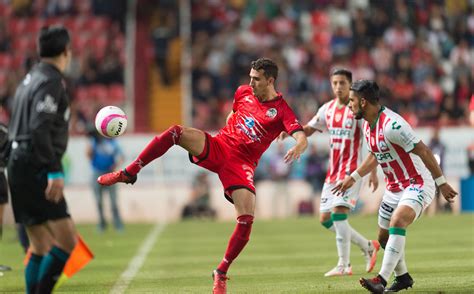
(3, 188)
(27, 188)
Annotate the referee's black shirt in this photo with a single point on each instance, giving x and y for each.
(40, 115)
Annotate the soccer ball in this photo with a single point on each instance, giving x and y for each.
(111, 121)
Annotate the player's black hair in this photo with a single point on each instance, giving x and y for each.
(270, 69)
(367, 89)
(52, 41)
(344, 72)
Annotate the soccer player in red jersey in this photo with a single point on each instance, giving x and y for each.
(409, 167)
(258, 116)
(345, 133)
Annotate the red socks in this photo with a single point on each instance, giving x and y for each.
(157, 147)
(237, 241)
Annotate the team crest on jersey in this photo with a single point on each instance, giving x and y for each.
(271, 113)
(349, 123)
(338, 117)
(383, 146)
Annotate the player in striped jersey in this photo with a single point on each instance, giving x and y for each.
(409, 167)
(344, 157)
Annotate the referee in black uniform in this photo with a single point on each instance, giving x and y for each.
(38, 132)
(3, 181)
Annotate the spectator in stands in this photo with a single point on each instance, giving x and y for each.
(279, 172)
(199, 205)
(105, 155)
(316, 172)
(5, 40)
(438, 148)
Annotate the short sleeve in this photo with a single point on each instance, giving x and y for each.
(290, 122)
(318, 121)
(399, 132)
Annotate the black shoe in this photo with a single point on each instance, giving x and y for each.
(401, 283)
(5, 268)
(374, 285)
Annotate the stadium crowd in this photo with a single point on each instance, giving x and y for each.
(95, 76)
(421, 51)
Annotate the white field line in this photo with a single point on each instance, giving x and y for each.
(137, 261)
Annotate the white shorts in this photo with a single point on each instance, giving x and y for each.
(418, 197)
(329, 200)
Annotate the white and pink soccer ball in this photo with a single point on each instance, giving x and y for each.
(111, 121)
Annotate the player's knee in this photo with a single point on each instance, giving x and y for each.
(245, 223)
(176, 131)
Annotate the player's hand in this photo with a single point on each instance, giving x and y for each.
(448, 192)
(283, 136)
(373, 181)
(293, 154)
(55, 190)
(343, 186)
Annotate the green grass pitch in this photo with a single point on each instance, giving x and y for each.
(283, 256)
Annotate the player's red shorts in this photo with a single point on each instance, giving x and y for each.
(233, 169)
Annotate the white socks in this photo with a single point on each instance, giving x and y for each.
(343, 238)
(394, 251)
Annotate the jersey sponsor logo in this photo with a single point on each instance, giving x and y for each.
(249, 122)
(271, 113)
(340, 132)
(386, 156)
(47, 105)
(407, 137)
(248, 128)
(383, 146)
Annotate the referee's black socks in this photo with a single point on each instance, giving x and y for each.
(50, 269)
(31, 273)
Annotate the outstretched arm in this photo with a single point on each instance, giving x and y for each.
(295, 152)
(432, 165)
(308, 131)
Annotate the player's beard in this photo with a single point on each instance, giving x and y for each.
(360, 113)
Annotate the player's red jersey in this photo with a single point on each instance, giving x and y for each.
(254, 124)
(471, 105)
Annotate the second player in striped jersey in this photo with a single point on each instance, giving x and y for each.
(409, 167)
(345, 135)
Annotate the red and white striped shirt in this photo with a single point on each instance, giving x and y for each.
(345, 134)
(391, 139)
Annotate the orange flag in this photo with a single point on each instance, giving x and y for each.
(27, 256)
(80, 256)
